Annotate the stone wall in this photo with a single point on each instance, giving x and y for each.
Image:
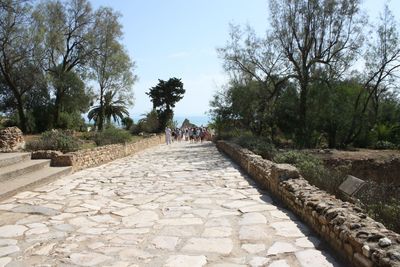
(11, 139)
(359, 239)
(96, 156)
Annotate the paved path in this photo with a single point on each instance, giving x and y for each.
(182, 205)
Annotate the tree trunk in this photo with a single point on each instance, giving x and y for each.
(101, 114)
(302, 135)
(57, 109)
(21, 114)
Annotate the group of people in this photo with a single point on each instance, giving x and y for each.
(195, 134)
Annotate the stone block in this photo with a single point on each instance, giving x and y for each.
(45, 154)
(11, 139)
(282, 172)
(63, 160)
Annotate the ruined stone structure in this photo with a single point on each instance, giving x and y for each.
(11, 139)
(358, 238)
(96, 156)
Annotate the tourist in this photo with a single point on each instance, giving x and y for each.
(168, 135)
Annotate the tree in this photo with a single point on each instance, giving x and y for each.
(313, 36)
(111, 65)
(164, 97)
(382, 62)
(115, 109)
(65, 30)
(18, 72)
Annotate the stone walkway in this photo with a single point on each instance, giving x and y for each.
(182, 205)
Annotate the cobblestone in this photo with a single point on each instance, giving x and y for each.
(178, 205)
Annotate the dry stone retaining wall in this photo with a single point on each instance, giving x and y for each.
(96, 156)
(358, 238)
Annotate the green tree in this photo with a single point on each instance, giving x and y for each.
(315, 35)
(111, 65)
(164, 97)
(113, 109)
(65, 31)
(382, 62)
(19, 74)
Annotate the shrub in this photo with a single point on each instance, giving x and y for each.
(313, 170)
(260, 146)
(127, 122)
(382, 202)
(112, 136)
(384, 145)
(55, 140)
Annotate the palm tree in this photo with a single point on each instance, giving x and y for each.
(115, 109)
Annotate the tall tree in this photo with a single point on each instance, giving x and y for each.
(18, 72)
(111, 66)
(164, 97)
(314, 35)
(382, 62)
(65, 29)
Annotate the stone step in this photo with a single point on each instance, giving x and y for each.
(31, 180)
(21, 168)
(7, 159)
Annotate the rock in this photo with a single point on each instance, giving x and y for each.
(287, 229)
(217, 232)
(185, 261)
(252, 232)
(12, 230)
(252, 218)
(11, 139)
(312, 257)
(7, 242)
(283, 172)
(131, 253)
(213, 245)
(125, 212)
(257, 208)
(308, 242)
(180, 221)
(279, 263)
(253, 248)
(5, 261)
(238, 204)
(384, 242)
(142, 218)
(39, 210)
(88, 259)
(4, 251)
(165, 242)
(281, 247)
(258, 261)
(45, 154)
(37, 231)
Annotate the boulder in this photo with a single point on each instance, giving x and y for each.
(11, 139)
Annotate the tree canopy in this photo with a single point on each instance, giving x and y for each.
(164, 97)
(299, 81)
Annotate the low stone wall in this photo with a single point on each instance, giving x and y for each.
(355, 236)
(96, 156)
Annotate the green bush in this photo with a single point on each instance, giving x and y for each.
(382, 202)
(260, 146)
(384, 145)
(313, 170)
(112, 136)
(55, 140)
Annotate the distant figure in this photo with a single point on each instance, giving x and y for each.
(168, 135)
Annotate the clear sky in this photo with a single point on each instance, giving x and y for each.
(178, 38)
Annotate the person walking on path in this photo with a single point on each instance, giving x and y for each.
(168, 135)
